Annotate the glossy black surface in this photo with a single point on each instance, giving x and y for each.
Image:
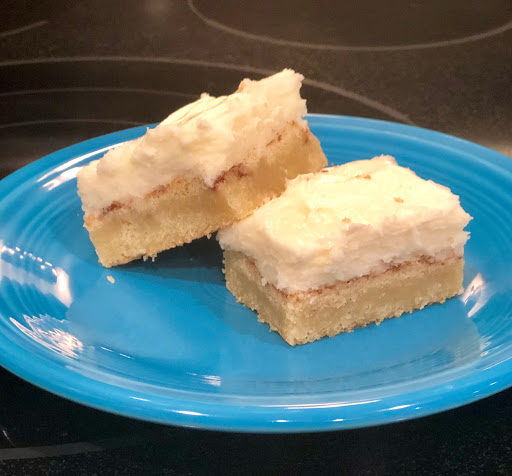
(398, 23)
(70, 71)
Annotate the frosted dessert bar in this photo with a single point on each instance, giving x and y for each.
(206, 166)
(345, 247)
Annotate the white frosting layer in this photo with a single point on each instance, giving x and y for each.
(349, 221)
(203, 139)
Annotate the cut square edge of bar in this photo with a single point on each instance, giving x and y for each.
(307, 316)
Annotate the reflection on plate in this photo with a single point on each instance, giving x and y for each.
(167, 342)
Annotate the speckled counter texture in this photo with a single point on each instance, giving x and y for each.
(70, 71)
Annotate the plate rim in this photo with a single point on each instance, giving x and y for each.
(256, 418)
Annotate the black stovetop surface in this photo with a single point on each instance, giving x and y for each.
(70, 71)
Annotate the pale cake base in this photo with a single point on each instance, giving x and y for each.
(187, 209)
(307, 316)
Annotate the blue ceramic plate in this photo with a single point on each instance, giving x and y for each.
(168, 343)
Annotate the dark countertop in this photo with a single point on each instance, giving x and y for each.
(74, 70)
